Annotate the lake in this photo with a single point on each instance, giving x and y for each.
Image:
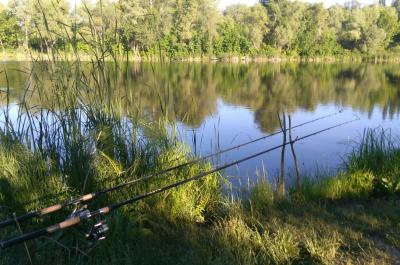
(216, 106)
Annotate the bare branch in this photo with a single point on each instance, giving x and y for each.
(296, 164)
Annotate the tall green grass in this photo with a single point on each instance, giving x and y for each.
(370, 169)
(375, 151)
(378, 152)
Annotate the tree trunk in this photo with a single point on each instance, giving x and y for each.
(26, 43)
(2, 46)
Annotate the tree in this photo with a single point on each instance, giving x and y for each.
(396, 5)
(155, 24)
(97, 23)
(318, 36)
(9, 29)
(132, 13)
(22, 10)
(207, 20)
(285, 22)
(194, 25)
(388, 21)
(351, 31)
(42, 21)
(230, 39)
(252, 22)
(50, 23)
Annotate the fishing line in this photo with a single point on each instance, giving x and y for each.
(201, 158)
(86, 214)
(94, 195)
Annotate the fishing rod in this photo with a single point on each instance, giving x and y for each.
(98, 231)
(202, 158)
(94, 195)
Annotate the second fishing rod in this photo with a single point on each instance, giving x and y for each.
(94, 195)
(75, 219)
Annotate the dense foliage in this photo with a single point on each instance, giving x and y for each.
(183, 28)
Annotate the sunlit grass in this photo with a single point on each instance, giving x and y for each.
(343, 186)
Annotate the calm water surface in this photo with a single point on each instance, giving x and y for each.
(215, 106)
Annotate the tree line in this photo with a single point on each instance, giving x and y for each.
(184, 28)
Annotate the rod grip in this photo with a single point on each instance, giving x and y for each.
(65, 224)
(50, 209)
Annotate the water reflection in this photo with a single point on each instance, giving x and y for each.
(217, 105)
(189, 93)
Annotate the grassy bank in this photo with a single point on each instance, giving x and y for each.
(352, 218)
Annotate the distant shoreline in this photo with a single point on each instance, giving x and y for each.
(234, 59)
